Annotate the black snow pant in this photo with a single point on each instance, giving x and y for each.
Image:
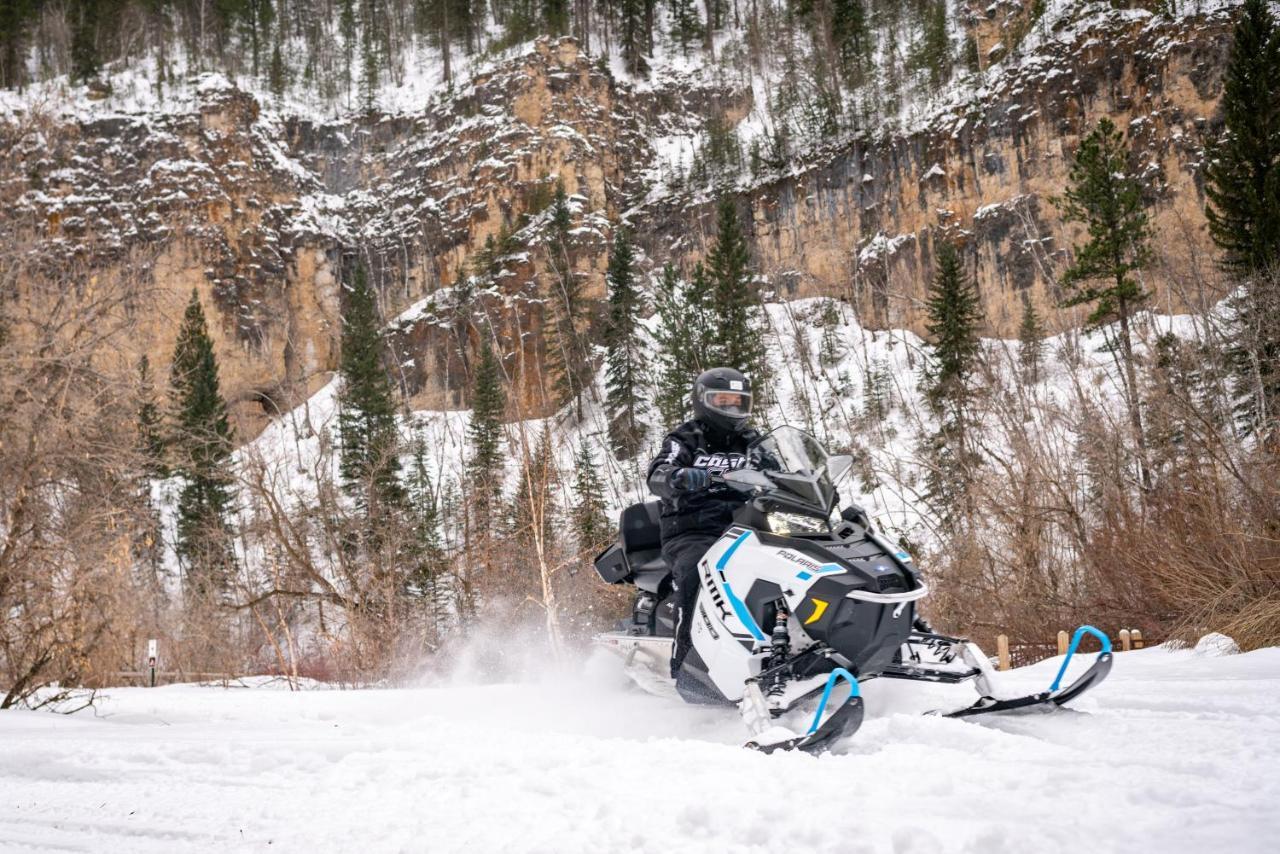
(682, 553)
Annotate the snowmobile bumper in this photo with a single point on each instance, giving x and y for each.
(1056, 696)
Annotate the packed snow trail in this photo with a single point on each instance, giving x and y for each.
(1176, 752)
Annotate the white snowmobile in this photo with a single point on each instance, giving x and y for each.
(796, 598)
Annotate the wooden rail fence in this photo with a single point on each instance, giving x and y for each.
(1021, 654)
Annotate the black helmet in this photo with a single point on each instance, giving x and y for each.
(722, 399)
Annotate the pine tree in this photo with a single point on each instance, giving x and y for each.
(85, 61)
(738, 338)
(1243, 170)
(202, 444)
(555, 14)
(1108, 200)
(623, 365)
(151, 448)
(850, 32)
(591, 527)
(683, 343)
(686, 26)
(484, 468)
(369, 60)
(1243, 186)
(933, 52)
(1030, 342)
(631, 34)
(877, 391)
(569, 351)
(151, 439)
(369, 438)
(347, 27)
(16, 19)
(426, 553)
(954, 312)
(277, 77)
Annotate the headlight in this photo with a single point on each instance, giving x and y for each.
(796, 523)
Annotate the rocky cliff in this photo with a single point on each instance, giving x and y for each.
(264, 213)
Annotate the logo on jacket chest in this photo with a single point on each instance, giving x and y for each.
(719, 462)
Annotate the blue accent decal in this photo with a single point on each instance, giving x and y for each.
(728, 553)
(830, 569)
(1071, 650)
(739, 607)
(838, 673)
(803, 576)
(904, 556)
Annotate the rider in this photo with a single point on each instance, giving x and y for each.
(694, 511)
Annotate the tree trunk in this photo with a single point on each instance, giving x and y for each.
(1131, 395)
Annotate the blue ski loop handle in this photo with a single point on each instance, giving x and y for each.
(837, 674)
(1071, 650)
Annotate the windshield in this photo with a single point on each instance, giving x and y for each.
(789, 449)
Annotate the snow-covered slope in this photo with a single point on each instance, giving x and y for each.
(1176, 752)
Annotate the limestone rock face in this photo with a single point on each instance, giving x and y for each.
(861, 222)
(264, 216)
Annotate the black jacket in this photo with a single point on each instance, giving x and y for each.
(696, 445)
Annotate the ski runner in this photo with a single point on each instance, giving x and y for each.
(696, 512)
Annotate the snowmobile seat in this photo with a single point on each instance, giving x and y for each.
(641, 534)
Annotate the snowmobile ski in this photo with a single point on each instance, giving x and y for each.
(844, 721)
(1055, 696)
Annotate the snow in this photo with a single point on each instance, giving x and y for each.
(1173, 753)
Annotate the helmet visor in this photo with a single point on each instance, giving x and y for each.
(734, 404)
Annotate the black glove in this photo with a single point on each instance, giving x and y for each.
(689, 479)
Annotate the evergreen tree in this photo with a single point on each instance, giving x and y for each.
(954, 310)
(954, 313)
(555, 14)
(686, 25)
(203, 444)
(738, 338)
(484, 468)
(427, 555)
(85, 62)
(631, 34)
(623, 365)
(569, 351)
(369, 438)
(933, 52)
(850, 33)
(369, 60)
(16, 17)
(277, 77)
(151, 439)
(682, 339)
(1107, 198)
(591, 526)
(1243, 186)
(877, 391)
(1030, 342)
(1243, 169)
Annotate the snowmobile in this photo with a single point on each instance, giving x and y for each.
(796, 598)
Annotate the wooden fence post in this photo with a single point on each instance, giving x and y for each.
(1136, 635)
(1124, 640)
(1062, 643)
(1002, 651)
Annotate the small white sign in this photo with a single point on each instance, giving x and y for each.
(151, 651)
